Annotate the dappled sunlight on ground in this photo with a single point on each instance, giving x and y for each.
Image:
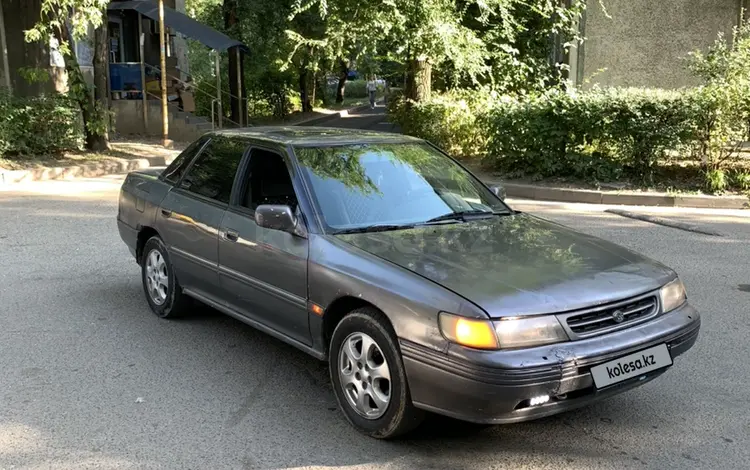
(146, 149)
(81, 188)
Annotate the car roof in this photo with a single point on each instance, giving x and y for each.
(315, 136)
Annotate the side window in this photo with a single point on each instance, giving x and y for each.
(267, 181)
(212, 174)
(177, 168)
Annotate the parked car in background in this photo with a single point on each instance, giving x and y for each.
(420, 286)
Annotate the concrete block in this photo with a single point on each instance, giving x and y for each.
(713, 202)
(520, 191)
(638, 199)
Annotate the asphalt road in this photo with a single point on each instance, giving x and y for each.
(371, 119)
(91, 379)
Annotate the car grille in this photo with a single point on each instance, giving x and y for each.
(593, 321)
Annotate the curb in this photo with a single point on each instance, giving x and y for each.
(88, 170)
(332, 116)
(527, 191)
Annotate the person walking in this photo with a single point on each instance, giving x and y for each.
(372, 87)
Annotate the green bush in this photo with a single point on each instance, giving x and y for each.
(46, 124)
(448, 121)
(601, 134)
(741, 180)
(353, 89)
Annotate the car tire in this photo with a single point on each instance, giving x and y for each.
(163, 291)
(352, 376)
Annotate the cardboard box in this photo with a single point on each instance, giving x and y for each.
(188, 102)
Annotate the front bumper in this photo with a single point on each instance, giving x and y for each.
(495, 386)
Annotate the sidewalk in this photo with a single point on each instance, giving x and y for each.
(146, 153)
(612, 197)
(627, 198)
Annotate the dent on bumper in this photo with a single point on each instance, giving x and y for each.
(491, 387)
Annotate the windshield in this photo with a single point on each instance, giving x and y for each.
(357, 186)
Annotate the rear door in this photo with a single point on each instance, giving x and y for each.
(263, 272)
(190, 215)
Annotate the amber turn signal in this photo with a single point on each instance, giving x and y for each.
(469, 332)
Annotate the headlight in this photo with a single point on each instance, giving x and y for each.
(530, 331)
(672, 295)
(470, 332)
(510, 333)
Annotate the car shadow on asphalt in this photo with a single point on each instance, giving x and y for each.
(439, 439)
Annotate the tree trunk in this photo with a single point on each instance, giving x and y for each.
(21, 15)
(79, 89)
(236, 90)
(100, 141)
(313, 77)
(304, 90)
(320, 87)
(343, 74)
(418, 85)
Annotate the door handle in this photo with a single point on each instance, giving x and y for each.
(231, 235)
(166, 213)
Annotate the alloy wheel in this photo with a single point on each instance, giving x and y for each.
(157, 278)
(365, 376)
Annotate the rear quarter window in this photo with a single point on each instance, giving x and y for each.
(176, 169)
(212, 174)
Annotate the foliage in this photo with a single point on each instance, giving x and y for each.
(716, 181)
(66, 21)
(725, 70)
(262, 26)
(39, 125)
(448, 121)
(599, 135)
(354, 89)
(741, 180)
(502, 43)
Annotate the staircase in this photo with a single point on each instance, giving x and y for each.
(183, 126)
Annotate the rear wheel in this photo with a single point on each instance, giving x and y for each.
(368, 376)
(163, 291)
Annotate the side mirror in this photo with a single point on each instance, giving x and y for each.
(278, 217)
(499, 191)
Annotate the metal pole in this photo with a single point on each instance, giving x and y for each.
(144, 97)
(163, 50)
(239, 88)
(218, 88)
(6, 67)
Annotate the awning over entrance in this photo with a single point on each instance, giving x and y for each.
(180, 22)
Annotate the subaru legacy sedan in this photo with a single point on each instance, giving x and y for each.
(422, 289)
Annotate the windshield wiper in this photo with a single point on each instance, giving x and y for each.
(461, 215)
(375, 228)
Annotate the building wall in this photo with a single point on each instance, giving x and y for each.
(18, 16)
(645, 41)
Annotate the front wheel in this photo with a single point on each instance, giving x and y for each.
(368, 376)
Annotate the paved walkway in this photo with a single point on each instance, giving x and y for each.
(372, 119)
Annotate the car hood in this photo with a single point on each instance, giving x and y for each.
(517, 264)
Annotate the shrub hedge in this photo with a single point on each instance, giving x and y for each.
(40, 125)
(602, 135)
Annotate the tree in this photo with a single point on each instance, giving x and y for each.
(68, 21)
(237, 87)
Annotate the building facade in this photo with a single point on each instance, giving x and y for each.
(644, 43)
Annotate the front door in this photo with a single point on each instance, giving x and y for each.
(263, 273)
(190, 215)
